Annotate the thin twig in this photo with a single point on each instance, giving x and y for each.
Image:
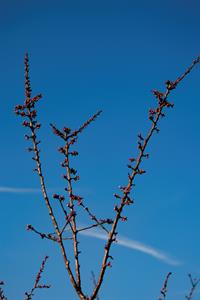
(194, 282)
(37, 284)
(2, 295)
(164, 289)
(82, 127)
(92, 226)
(93, 217)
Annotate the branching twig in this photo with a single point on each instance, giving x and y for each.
(37, 284)
(194, 282)
(48, 236)
(94, 218)
(71, 176)
(27, 111)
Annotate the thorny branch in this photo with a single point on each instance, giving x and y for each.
(194, 282)
(37, 284)
(28, 111)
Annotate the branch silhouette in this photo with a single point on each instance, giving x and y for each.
(71, 201)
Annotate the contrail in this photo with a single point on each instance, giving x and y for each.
(135, 245)
(4, 189)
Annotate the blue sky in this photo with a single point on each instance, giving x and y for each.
(109, 55)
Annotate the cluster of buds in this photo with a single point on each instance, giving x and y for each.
(59, 197)
(170, 85)
(62, 134)
(152, 114)
(77, 198)
(28, 111)
(73, 153)
(140, 171)
(161, 97)
(109, 264)
(116, 208)
(124, 219)
(27, 79)
(106, 221)
(29, 227)
(128, 201)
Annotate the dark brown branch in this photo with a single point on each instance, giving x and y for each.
(94, 225)
(93, 217)
(48, 236)
(163, 291)
(2, 295)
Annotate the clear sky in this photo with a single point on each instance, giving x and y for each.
(109, 55)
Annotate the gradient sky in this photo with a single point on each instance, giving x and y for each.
(109, 55)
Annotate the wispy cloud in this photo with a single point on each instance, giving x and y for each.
(135, 245)
(13, 190)
(24, 190)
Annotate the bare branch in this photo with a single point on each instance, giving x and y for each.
(69, 207)
(48, 236)
(37, 284)
(154, 117)
(163, 291)
(94, 225)
(194, 283)
(27, 111)
(2, 295)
